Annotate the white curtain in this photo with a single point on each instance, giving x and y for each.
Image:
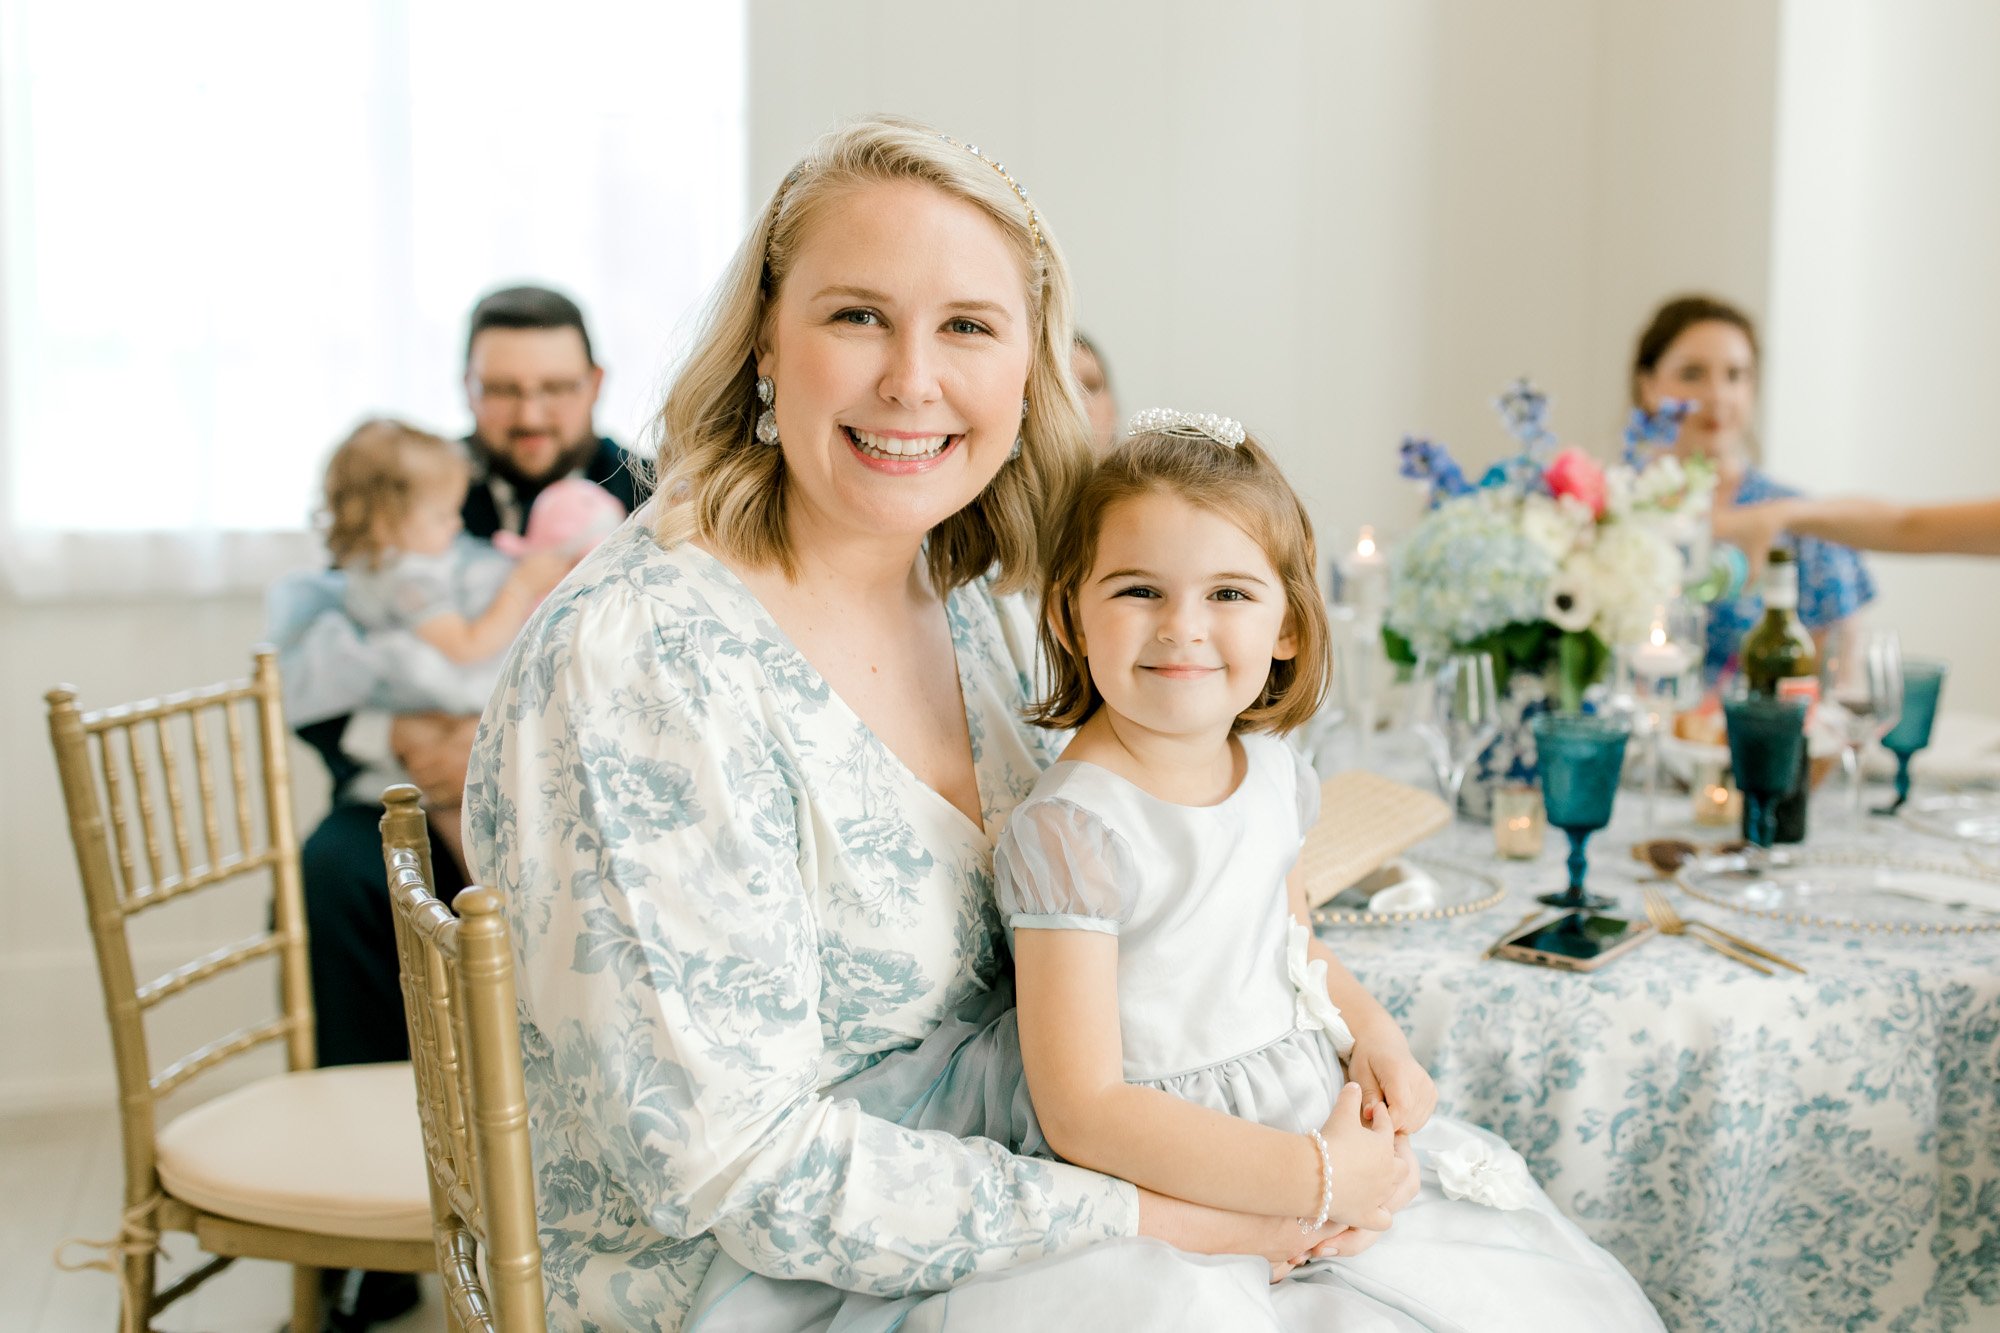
(230, 230)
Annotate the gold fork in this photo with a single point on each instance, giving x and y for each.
(1727, 937)
(1665, 919)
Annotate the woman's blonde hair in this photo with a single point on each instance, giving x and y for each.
(375, 476)
(1244, 486)
(720, 485)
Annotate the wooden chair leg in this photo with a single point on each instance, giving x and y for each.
(305, 1299)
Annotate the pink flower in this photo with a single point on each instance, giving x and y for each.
(1576, 474)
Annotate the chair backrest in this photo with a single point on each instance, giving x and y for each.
(119, 767)
(458, 997)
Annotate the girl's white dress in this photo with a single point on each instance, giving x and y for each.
(1218, 1004)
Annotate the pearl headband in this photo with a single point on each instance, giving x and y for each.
(1225, 431)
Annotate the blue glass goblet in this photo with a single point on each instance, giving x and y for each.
(1923, 682)
(1766, 738)
(1580, 760)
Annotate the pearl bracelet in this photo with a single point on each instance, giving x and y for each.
(1307, 1226)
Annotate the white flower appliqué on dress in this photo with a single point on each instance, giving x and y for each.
(1483, 1173)
(1316, 1008)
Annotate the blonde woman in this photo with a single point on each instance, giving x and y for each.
(740, 785)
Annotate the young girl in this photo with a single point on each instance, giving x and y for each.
(1179, 1026)
(440, 610)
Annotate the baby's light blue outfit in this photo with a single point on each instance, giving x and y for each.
(347, 638)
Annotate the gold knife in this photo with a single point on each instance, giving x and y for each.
(1748, 947)
(1728, 952)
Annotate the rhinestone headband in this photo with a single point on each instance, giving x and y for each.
(1225, 431)
(1034, 218)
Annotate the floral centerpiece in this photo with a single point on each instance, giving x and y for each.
(1552, 558)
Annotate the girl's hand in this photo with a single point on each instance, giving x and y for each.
(1382, 1064)
(1367, 1173)
(1347, 1242)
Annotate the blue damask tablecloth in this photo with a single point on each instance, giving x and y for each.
(1783, 1153)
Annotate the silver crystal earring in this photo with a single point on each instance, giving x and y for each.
(767, 420)
(1015, 452)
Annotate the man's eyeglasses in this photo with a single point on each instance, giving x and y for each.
(509, 394)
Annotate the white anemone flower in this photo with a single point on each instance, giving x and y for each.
(1569, 605)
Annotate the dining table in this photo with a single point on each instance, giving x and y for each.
(1792, 1151)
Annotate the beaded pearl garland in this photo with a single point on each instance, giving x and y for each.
(1225, 431)
(1307, 1226)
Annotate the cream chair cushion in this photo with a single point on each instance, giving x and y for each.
(334, 1151)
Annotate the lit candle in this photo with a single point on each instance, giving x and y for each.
(1658, 658)
(1517, 822)
(1717, 804)
(1366, 569)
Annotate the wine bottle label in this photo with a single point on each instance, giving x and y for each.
(1781, 587)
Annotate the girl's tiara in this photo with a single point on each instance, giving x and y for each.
(1225, 431)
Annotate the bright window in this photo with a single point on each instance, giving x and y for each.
(230, 230)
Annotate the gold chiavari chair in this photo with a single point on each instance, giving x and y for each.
(317, 1168)
(458, 996)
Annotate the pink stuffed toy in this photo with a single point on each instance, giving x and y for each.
(571, 515)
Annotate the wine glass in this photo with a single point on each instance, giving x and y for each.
(1455, 711)
(1861, 686)
(1580, 759)
(1923, 682)
(1767, 736)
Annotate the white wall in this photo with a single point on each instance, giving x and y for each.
(1885, 303)
(1341, 221)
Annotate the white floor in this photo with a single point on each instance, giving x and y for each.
(59, 1177)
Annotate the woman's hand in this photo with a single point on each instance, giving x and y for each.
(1200, 1229)
(1350, 1241)
(1367, 1173)
(1382, 1064)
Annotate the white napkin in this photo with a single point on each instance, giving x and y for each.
(1414, 891)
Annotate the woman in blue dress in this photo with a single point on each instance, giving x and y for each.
(1703, 351)
(740, 788)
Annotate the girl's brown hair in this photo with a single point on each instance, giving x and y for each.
(1241, 484)
(721, 486)
(374, 477)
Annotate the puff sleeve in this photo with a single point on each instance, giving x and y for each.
(1058, 866)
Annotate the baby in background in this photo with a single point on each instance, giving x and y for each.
(421, 593)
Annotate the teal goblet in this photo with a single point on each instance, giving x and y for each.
(1766, 738)
(1580, 759)
(1923, 682)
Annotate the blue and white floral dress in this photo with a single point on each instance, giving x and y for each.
(762, 991)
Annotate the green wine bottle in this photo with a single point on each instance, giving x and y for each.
(1780, 661)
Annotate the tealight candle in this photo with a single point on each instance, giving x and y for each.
(1717, 804)
(1517, 822)
(1658, 658)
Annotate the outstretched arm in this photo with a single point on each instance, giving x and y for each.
(1067, 988)
(1970, 527)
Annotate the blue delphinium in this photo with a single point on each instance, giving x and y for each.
(1525, 410)
(1432, 463)
(1648, 434)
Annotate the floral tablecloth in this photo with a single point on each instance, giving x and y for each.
(1784, 1153)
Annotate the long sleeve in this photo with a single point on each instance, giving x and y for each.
(636, 802)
